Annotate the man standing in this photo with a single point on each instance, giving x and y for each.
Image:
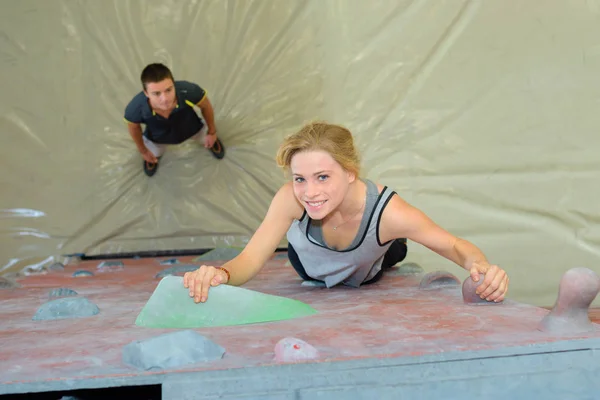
(166, 108)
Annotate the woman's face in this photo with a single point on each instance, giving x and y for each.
(320, 183)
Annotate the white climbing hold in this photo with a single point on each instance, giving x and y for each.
(294, 350)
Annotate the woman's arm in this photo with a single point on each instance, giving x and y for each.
(283, 210)
(401, 220)
(281, 213)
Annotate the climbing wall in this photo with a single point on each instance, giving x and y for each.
(411, 332)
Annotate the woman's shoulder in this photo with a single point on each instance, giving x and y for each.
(286, 200)
(382, 187)
(393, 201)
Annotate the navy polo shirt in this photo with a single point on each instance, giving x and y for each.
(183, 122)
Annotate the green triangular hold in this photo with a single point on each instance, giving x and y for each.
(170, 306)
(220, 254)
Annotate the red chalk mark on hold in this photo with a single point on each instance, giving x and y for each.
(577, 290)
(291, 350)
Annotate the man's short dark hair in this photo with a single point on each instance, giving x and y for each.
(155, 72)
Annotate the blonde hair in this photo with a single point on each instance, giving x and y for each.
(334, 139)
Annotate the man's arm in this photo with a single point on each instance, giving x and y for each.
(197, 96)
(133, 119)
(208, 113)
(135, 130)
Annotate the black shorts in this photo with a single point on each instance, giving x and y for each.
(395, 254)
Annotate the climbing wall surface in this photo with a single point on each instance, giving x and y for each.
(410, 329)
(481, 113)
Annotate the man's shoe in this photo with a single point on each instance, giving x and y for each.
(218, 150)
(150, 168)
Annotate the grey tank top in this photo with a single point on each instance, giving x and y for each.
(353, 265)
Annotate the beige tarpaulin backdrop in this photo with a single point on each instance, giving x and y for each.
(484, 114)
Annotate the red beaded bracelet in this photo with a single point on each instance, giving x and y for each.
(227, 272)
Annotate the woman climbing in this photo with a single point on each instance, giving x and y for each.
(341, 229)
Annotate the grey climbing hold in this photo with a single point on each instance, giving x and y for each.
(313, 284)
(57, 266)
(110, 266)
(66, 307)
(178, 269)
(171, 350)
(293, 350)
(169, 261)
(62, 292)
(469, 292)
(220, 254)
(577, 290)
(281, 256)
(6, 283)
(73, 259)
(82, 272)
(438, 279)
(406, 269)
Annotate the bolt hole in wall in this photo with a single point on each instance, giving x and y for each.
(148, 392)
